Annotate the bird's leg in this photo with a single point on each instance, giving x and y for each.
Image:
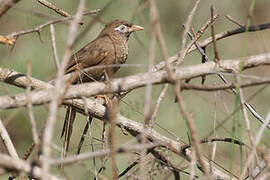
(107, 100)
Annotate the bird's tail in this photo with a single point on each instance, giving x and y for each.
(67, 129)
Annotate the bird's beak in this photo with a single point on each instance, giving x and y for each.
(135, 28)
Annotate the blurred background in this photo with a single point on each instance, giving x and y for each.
(204, 105)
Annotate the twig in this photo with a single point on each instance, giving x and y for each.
(129, 167)
(184, 34)
(7, 40)
(88, 155)
(135, 81)
(164, 161)
(234, 21)
(208, 41)
(191, 125)
(20, 165)
(55, 55)
(236, 31)
(7, 141)
(151, 58)
(38, 28)
(92, 22)
(53, 7)
(58, 90)
(250, 108)
(255, 82)
(6, 5)
(212, 140)
(99, 111)
(30, 107)
(159, 66)
(8, 144)
(256, 142)
(244, 110)
(222, 122)
(148, 92)
(157, 106)
(113, 108)
(88, 123)
(216, 59)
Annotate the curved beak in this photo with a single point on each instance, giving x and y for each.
(135, 28)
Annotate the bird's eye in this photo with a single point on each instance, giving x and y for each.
(121, 28)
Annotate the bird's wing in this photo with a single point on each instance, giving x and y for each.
(90, 55)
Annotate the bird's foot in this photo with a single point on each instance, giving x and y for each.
(106, 99)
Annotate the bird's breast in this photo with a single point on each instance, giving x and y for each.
(121, 53)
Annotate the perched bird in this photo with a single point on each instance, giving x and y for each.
(109, 48)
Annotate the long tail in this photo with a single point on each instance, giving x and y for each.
(67, 129)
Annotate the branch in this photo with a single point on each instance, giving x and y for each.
(99, 111)
(17, 164)
(135, 81)
(7, 141)
(11, 38)
(186, 86)
(54, 8)
(5, 5)
(219, 36)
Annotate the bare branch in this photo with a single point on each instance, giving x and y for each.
(134, 128)
(59, 90)
(136, 81)
(5, 5)
(216, 59)
(234, 21)
(55, 55)
(256, 142)
(10, 38)
(30, 107)
(7, 141)
(208, 41)
(20, 165)
(53, 7)
(255, 82)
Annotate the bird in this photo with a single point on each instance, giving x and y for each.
(109, 48)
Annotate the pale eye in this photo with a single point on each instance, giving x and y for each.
(121, 28)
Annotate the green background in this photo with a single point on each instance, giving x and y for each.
(172, 14)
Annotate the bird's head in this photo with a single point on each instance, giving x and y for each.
(120, 28)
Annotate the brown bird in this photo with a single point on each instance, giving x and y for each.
(109, 48)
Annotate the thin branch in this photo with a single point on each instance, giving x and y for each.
(7, 141)
(191, 125)
(208, 41)
(135, 81)
(88, 155)
(256, 142)
(216, 59)
(234, 21)
(7, 40)
(55, 55)
(20, 165)
(59, 89)
(236, 31)
(184, 34)
(5, 5)
(54, 8)
(157, 106)
(99, 111)
(113, 110)
(255, 82)
(248, 106)
(37, 29)
(30, 107)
